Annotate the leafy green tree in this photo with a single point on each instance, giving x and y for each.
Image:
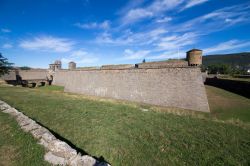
(5, 66)
(220, 68)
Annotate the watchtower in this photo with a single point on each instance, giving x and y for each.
(194, 57)
(55, 66)
(72, 65)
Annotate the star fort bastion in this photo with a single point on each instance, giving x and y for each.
(172, 83)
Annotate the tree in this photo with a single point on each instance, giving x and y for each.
(25, 68)
(5, 66)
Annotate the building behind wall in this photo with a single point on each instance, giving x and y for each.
(72, 65)
(55, 66)
(194, 57)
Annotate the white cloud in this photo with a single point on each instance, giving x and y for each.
(216, 20)
(128, 37)
(94, 25)
(5, 30)
(157, 8)
(7, 46)
(227, 46)
(131, 55)
(136, 14)
(193, 3)
(169, 39)
(80, 57)
(106, 38)
(169, 54)
(164, 20)
(176, 42)
(152, 10)
(47, 43)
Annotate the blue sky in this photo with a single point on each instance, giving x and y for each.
(37, 32)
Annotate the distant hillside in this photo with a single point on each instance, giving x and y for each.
(241, 59)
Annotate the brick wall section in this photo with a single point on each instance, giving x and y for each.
(174, 87)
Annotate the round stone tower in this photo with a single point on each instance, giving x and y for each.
(72, 65)
(194, 57)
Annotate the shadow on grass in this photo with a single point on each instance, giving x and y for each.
(101, 159)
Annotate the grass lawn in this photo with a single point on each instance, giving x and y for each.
(226, 105)
(16, 147)
(124, 134)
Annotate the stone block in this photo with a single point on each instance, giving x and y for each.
(55, 160)
(61, 149)
(38, 133)
(46, 139)
(23, 120)
(32, 126)
(88, 160)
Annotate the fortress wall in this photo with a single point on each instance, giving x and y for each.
(26, 75)
(33, 74)
(8, 77)
(174, 87)
(123, 66)
(171, 63)
(61, 77)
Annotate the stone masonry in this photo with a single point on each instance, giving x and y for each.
(180, 87)
(172, 83)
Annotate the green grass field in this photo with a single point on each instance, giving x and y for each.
(225, 105)
(16, 147)
(124, 134)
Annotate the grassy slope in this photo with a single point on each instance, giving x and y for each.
(226, 105)
(17, 147)
(125, 135)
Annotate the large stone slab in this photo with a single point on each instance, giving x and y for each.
(38, 133)
(55, 160)
(61, 149)
(32, 126)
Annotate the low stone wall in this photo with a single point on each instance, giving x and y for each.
(58, 152)
(171, 87)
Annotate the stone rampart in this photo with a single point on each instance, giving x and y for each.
(10, 76)
(33, 74)
(163, 64)
(123, 66)
(173, 87)
(26, 74)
